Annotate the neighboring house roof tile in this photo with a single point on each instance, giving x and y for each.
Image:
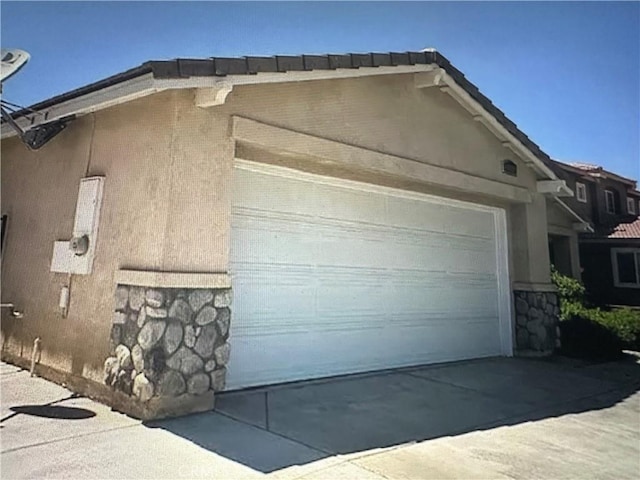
(599, 171)
(589, 167)
(567, 167)
(627, 230)
(593, 171)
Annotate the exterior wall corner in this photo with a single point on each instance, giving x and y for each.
(536, 322)
(168, 348)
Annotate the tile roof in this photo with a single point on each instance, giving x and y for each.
(627, 230)
(222, 66)
(594, 171)
(585, 166)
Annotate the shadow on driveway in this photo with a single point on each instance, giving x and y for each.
(50, 410)
(273, 428)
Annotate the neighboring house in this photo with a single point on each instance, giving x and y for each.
(610, 253)
(364, 211)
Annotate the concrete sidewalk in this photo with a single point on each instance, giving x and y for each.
(494, 418)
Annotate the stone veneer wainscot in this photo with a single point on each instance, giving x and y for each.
(537, 328)
(169, 347)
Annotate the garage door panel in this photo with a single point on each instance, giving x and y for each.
(347, 204)
(296, 240)
(463, 222)
(473, 262)
(442, 242)
(394, 250)
(414, 214)
(275, 248)
(355, 299)
(272, 303)
(283, 298)
(340, 351)
(346, 251)
(328, 279)
(444, 299)
(441, 252)
(250, 190)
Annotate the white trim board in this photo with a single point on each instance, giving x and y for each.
(92, 102)
(488, 120)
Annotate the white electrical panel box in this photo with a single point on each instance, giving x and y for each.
(88, 206)
(85, 229)
(61, 259)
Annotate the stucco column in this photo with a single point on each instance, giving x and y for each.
(530, 242)
(197, 231)
(535, 300)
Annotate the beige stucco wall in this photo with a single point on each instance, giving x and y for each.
(149, 220)
(39, 194)
(166, 203)
(386, 114)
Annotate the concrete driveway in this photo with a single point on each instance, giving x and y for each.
(493, 418)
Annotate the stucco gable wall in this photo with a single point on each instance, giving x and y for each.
(386, 114)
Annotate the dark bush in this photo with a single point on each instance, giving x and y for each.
(593, 330)
(584, 338)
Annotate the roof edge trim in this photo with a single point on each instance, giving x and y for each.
(156, 76)
(104, 97)
(493, 124)
(586, 225)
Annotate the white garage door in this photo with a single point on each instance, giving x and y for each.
(332, 277)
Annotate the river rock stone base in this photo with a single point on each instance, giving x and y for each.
(537, 330)
(169, 347)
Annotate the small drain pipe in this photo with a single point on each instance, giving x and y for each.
(63, 302)
(35, 355)
(14, 313)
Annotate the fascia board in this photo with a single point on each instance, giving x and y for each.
(109, 96)
(461, 95)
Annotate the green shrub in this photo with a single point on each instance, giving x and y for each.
(591, 330)
(568, 310)
(569, 289)
(625, 322)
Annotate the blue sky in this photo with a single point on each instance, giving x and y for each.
(567, 73)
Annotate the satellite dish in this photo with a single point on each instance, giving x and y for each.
(12, 61)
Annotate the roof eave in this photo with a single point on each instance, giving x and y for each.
(156, 76)
(570, 169)
(581, 225)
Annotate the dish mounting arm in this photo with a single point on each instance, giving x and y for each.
(37, 136)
